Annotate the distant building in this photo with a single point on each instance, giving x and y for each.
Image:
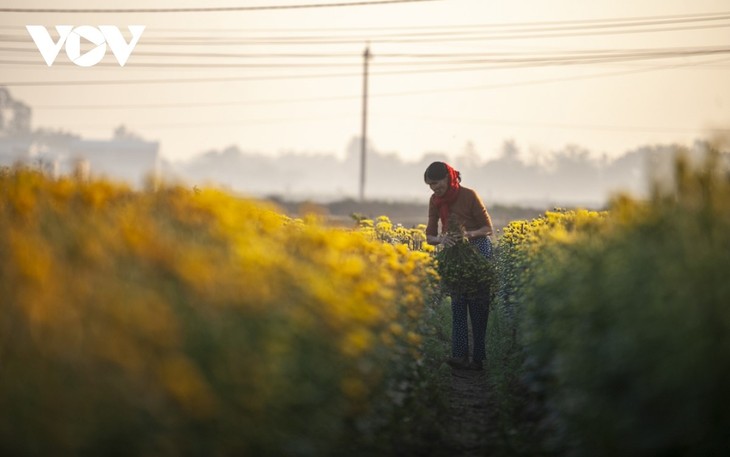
(124, 157)
(14, 115)
(128, 159)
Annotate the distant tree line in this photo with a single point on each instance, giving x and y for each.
(571, 176)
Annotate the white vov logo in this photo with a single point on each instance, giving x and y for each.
(101, 37)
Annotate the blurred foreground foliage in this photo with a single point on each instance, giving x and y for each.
(611, 332)
(180, 322)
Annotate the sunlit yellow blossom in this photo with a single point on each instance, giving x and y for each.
(32, 259)
(396, 329)
(414, 338)
(356, 342)
(352, 266)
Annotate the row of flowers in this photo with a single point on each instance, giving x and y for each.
(610, 330)
(172, 321)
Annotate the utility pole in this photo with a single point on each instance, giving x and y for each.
(364, 131)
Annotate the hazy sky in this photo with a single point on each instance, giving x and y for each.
(608, 75)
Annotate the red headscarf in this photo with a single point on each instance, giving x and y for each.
(444, 202)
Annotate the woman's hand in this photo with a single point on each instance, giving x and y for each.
(449, 239)
(444, 239)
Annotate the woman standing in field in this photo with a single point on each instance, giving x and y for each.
(452, 202)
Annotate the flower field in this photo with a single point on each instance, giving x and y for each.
(192, 322)
(611, 332)
(177, 321)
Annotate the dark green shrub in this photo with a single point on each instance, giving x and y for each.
(627, 331)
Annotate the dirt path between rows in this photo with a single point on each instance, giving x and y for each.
(472, 416)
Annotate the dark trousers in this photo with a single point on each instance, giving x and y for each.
(476, 307)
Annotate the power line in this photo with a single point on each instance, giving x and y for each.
(431, 35)
(198, 104)
(421, 39)
(635, 19)
(450, 56)
(239, 122)
(438, 31)
(406, 116)
(595, 56)
(479, 67)
(555, 125)
(213, 9)
(259, 55)
(325, 40)
(463, 31)
(481, 87)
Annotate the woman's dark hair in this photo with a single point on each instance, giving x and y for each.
(437, 171)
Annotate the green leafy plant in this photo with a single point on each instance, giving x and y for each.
(618, 324)
(463, 270)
